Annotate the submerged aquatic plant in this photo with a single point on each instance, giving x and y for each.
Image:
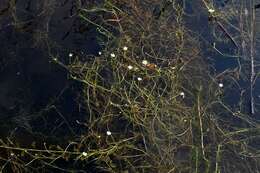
(155, 107)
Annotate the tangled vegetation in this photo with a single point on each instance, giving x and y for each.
(150, 101)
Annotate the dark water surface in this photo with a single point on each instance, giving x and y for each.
(36, 96)
(33, 32)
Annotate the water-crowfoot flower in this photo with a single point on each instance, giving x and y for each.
(99, 53)
(125, 48)
(139, 79)
(182, 94)
(210, 10)
(84, 154)
(109, 133)
(144, 62)
(70, 54)
(112, 55)
(221, 85)
(130, 67)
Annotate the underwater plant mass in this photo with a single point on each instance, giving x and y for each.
(129, 86)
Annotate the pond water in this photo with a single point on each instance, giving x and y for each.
(32, 32)
(30, 35)
(224, 55)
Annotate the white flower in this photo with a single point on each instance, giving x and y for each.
(70, 54)
(125, 48)
(139, 79)
(112, 55)
(182, 94)
(221, 85)
(84, 154)
(100, 53)
(211, 10)
(109, 133)
(144, 62)
(130, 67)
